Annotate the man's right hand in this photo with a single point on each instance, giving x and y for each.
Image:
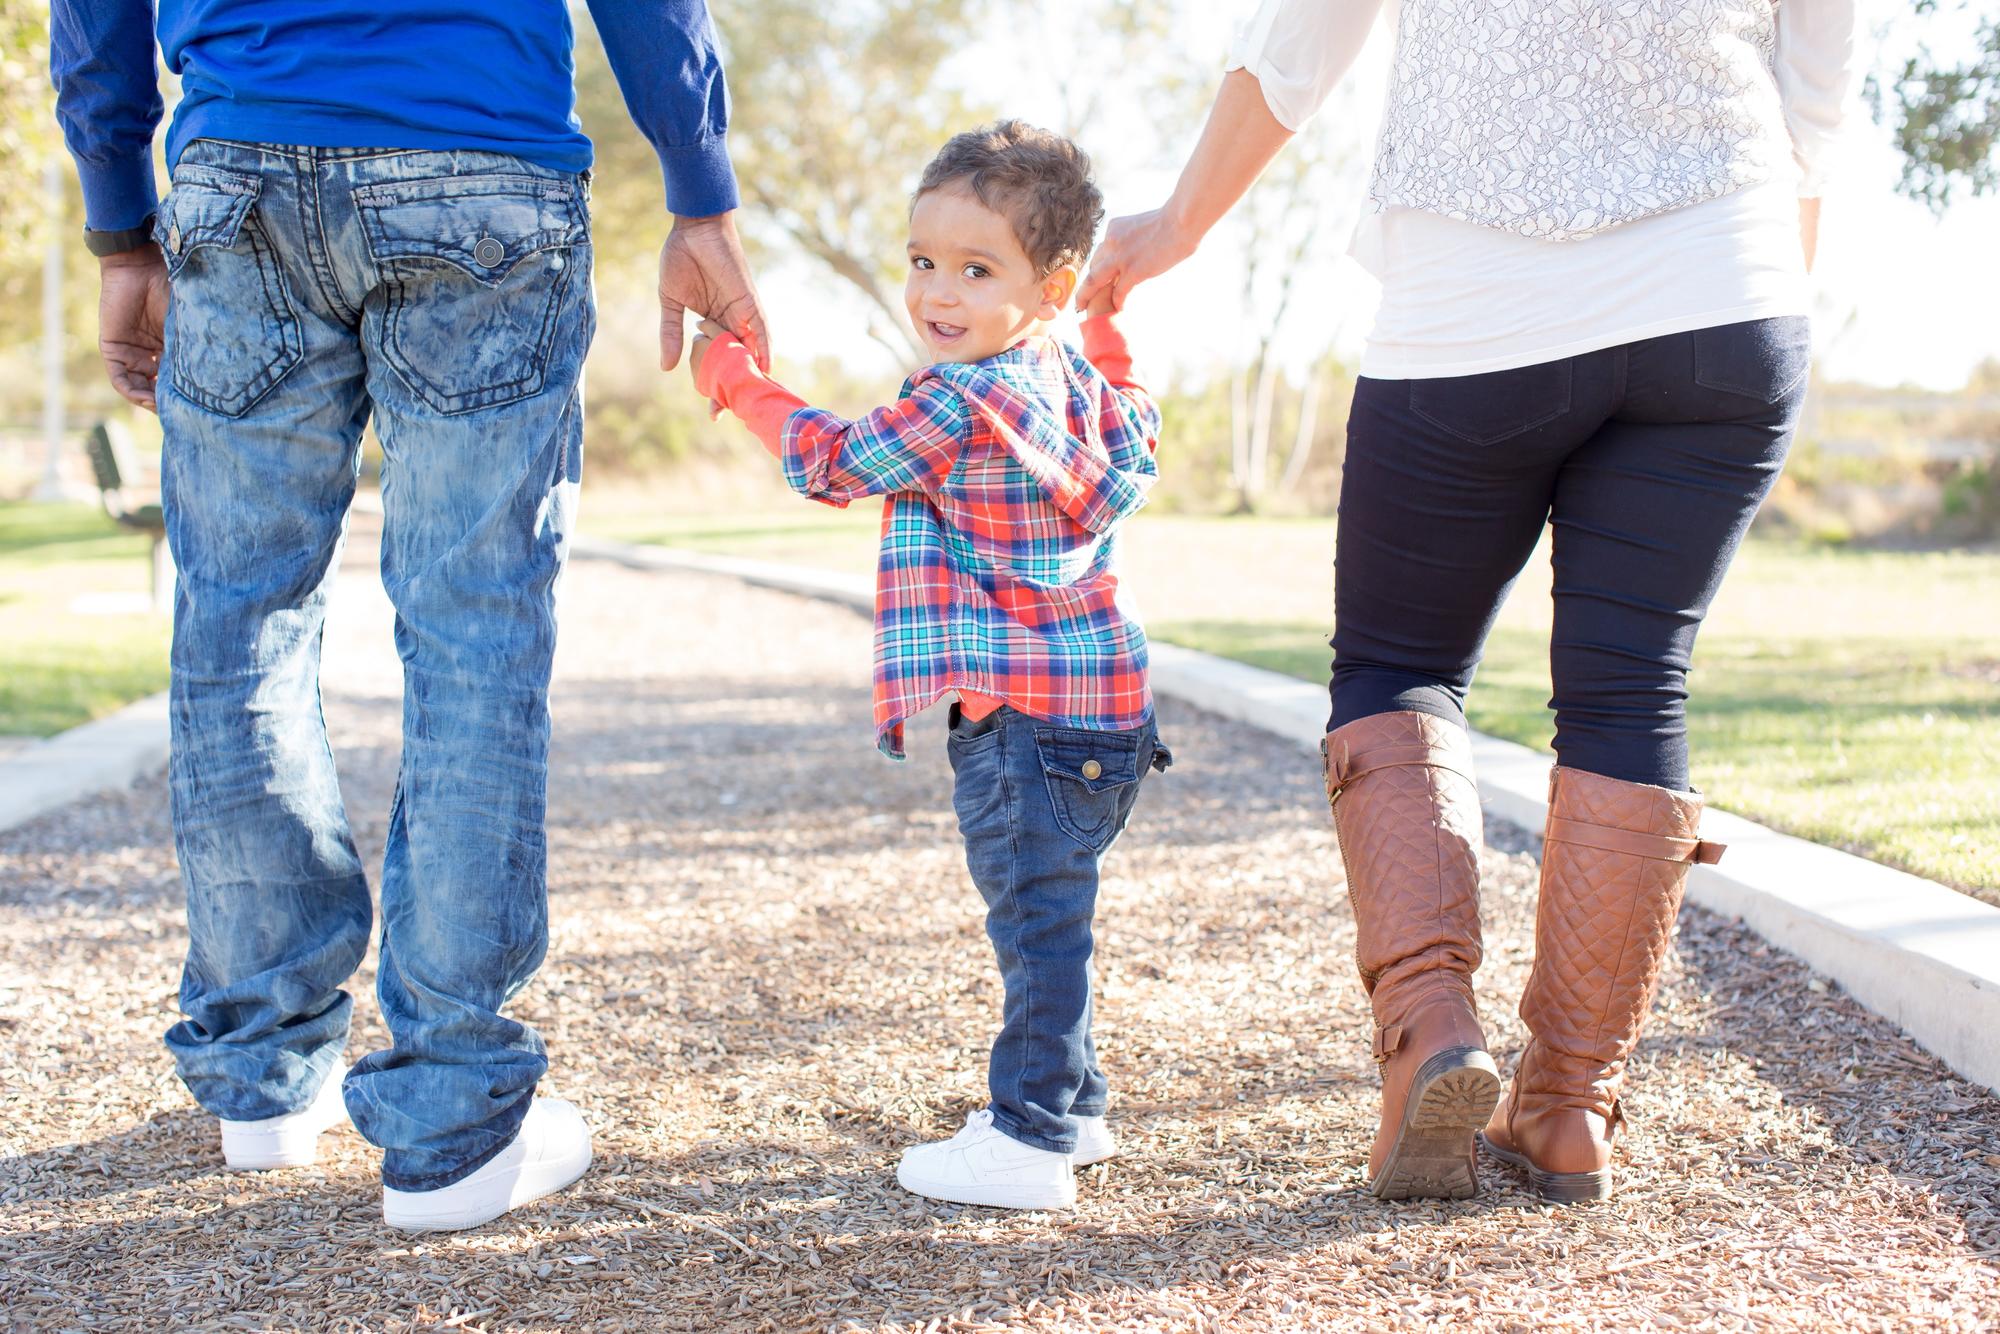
(132, 321)
(703, 269)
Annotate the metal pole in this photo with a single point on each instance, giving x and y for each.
(52, 487)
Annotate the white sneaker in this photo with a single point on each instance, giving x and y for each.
(1094, 1141)
(552, 1150)
(980, 1165)
(291, 1140)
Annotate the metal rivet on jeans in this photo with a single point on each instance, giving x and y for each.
(1092, 769)
(174, 238)
(488, 253)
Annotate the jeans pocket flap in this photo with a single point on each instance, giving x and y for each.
(484, 225)
(205, 207)
(1096, 761)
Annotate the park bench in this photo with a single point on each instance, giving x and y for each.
(110, 450)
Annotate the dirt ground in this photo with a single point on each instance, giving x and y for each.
(768, 976)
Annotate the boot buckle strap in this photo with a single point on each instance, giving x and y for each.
(1388, 1040)
(1343, 766)
(1655, 847)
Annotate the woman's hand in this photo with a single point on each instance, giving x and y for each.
(1238, 142)
(1135, 248)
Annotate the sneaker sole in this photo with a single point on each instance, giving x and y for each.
(991, 1196)
(480, 1201)
(1451, 1099)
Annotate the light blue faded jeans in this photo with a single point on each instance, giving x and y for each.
(447, 296)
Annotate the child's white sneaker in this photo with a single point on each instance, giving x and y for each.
(552, 1150)
(290, 1140)
(1094, 1141)
(980, 1165)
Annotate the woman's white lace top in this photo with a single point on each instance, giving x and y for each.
(1555, 176)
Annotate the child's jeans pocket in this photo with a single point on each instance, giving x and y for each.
(1093, 779)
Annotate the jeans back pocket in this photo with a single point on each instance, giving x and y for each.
(1092, 778)
(233, 332)
(1488, 408)
(1761, 360)
(475, 268)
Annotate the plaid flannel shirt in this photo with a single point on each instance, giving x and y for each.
(1006, 481)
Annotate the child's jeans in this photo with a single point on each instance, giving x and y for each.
(1039, 805)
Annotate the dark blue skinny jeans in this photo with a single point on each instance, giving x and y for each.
(1039, 806)
(1648, 459)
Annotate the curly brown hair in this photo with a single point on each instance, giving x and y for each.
(1037, 180)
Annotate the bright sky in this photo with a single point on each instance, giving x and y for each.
(1903, 297)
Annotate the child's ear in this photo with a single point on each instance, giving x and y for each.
(1057, 289)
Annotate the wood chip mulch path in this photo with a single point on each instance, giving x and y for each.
(768, 976)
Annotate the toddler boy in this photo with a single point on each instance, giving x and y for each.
(1007, 466)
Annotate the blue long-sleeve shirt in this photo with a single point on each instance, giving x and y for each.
(485, 74)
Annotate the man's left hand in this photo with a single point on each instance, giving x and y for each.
(131, 321)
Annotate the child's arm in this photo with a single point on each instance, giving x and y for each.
(1104, 347)
(910, 445)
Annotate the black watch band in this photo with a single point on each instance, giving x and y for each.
(118, 242)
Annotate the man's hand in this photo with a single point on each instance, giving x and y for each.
(132, 320)
(703, 269)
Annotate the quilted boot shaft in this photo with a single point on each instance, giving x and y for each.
(1407, 813)
(1615, 863)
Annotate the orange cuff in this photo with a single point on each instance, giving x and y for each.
(729, 376)
(1104, 347)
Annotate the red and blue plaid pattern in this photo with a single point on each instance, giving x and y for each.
(1006, 481)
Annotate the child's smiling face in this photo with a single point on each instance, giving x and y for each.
(972, 290)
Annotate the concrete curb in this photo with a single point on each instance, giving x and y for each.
(109, 753)
(1921, 955)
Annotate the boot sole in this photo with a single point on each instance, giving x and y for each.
(1554, 1187)
(1452, 1096)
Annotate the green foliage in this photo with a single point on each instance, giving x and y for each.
(27, 129)
(1945, 112)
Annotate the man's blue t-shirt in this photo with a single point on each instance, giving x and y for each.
(497, 75)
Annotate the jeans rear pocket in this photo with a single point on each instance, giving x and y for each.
(1498, 405)
(1762, 360)
(474, 268)
(233, 331)
(1091, 776)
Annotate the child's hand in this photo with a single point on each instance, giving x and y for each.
(707, 332)
(1100, 303)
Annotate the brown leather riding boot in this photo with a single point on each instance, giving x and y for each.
(1407, 812)
(1615, 860)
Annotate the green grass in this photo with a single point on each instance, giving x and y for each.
(1852, 698)
(60, 667)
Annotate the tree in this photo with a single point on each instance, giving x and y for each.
(1945, 112)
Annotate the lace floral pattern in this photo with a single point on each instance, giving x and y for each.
(1559, 118)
